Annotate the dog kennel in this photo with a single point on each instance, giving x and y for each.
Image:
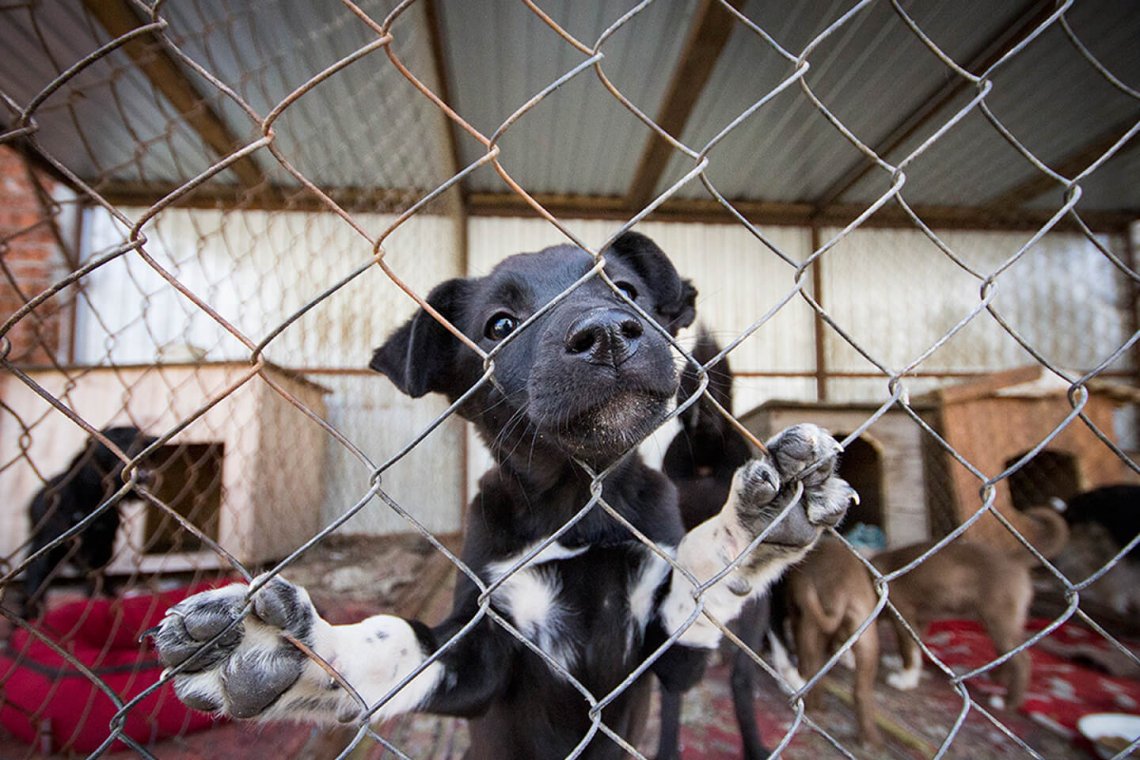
(246, 472)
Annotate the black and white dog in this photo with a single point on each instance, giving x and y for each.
(584, 383)
(93, 476)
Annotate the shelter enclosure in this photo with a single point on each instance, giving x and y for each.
(910, 221)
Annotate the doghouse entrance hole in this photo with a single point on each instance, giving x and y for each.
(188, 478)
(861, 465)
(1049, 474)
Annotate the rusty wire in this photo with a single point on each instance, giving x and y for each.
(22, 131)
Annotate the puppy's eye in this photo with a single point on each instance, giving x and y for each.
(500, 326)
(629, 290)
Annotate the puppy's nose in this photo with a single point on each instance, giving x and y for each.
(605, 336)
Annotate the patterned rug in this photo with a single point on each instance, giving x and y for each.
(1069, 676)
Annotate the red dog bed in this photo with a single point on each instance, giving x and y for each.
(42, 693)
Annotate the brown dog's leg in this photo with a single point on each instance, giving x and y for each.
(911, 672)
(1007, 632)
(866, 651)
(810, 648)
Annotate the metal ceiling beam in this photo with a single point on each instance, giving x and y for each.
(437, 44)
(795, 214)
(117, 17)
(1031, 16)
(1070, 166)
(708, 36)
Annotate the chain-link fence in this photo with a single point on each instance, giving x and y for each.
(909, 225)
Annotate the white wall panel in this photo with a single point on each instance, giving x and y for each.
(380, 421)
(892, 291)
(896, 294)
(256, 269)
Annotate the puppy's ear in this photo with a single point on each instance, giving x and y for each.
(419, 358)
(675, 299)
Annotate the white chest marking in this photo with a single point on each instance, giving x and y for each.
(644, 589)
(529, 596)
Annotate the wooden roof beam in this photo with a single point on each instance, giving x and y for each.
(443, 75)
(1031, 16)
(708, 36)
(1070, 166)
(794, 214)
(162, 70)
(213, 195)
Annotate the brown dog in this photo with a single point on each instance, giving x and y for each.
(973, 580)
(829, 597)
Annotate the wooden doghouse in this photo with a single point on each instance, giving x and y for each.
(246, 471)
(996, 421)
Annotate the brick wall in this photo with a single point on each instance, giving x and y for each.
(30, 261)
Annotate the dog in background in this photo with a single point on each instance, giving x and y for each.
(1102, 522)
(583, 384)
(970, 579)
(703, 456)
(70, 497)
(700, 461)
(828, 597)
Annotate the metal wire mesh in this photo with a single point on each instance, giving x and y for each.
(218, 280)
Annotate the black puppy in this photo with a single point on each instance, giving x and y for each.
(554, 610)
(93, 476)
(703, 456)
(701, 460)
(1116, 508)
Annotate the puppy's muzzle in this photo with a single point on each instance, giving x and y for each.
(605, 336)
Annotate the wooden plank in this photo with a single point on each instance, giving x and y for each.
(159, 67)
(443, 75)
(708, 35)
(794, 214)
(269, 198)
(817, 321)
(382, 200)
(987, 385)
(1030, 17)
(1070, 166)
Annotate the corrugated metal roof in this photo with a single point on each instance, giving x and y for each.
(579, 140)
(367, 127)
(1053, 101)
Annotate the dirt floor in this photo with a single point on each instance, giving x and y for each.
(351, 579)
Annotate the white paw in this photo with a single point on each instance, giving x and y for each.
(251, 664)
(801, 462)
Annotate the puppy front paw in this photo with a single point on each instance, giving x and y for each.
(799, 466)
(231, 661)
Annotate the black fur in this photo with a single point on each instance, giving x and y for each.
(701, 459)
(69, 497)
(533, 637)
(1116, 508)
